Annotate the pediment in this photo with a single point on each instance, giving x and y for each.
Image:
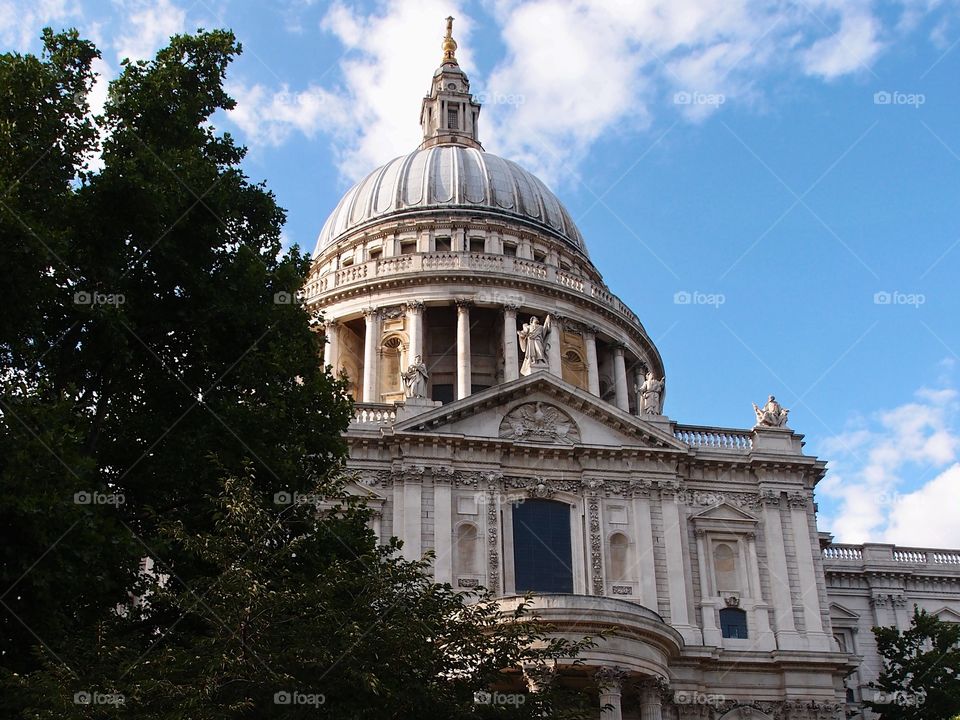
(946, 614)
(725, 512)
(540, 409)
(839, 612)
(358, 489)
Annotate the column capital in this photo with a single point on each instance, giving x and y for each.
(619, 348)
(371, 312)
(414, 306)
(463, 303)
(591, 330)
(331, 324)
(511, 308)
(610, 678)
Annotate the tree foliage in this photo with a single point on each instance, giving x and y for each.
(161, 384)
(920, 679)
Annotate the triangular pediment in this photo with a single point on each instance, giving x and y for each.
(839, 612)
(946, 614)
(540, 409)
(724, 511)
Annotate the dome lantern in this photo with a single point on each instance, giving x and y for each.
(449, 113)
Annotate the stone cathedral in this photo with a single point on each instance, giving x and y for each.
(510, 418)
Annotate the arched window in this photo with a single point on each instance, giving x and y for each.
(733, 623)
(619, 547)
(541, 547)
(725, 569)
(466, 550)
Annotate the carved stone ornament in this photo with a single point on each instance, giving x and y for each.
(596, 545)
(537, 422)
(732, 601)
(610, 678)
(772, 414)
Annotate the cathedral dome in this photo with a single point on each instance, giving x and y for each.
(451, 177)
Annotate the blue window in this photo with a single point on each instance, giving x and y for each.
(541, 547)
(733, 623)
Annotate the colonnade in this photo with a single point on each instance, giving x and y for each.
(413, 325)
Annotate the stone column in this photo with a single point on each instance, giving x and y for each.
(622, 399)
(650, 708)
(443, 529)
(610, 682)
(331, 351)
(711, 633)
(415, 329)
(370, 355)
(809, 592)
(786, 630)
(464, 375)
(553, 346)
(643, 531)
(412, 523)
(511, 354)
(676, 567)
(593, 369)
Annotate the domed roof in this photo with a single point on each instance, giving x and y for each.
(451, 177)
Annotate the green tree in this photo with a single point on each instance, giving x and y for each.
(302, 615)
(920, 679)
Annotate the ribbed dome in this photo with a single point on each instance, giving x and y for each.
(450, 177)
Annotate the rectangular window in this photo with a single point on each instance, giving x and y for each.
(539, 256)
(509, 249)
(375, 253)
(443, 244)
(477, 245)
(453, 119)
(733, 623)
(541, 547)
(408, 248)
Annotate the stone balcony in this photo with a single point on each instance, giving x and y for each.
(479, 265)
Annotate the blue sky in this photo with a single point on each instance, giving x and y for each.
(792, 167)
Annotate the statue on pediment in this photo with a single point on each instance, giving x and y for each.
(533, 342)
(773, 414)
(415, 379)
(651, 395)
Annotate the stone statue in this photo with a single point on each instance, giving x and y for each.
(773, 414)
(415, 379)
(651, 394)
(533, 343)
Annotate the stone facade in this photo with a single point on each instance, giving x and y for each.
(697, 545)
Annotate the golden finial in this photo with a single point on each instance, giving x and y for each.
(449, 45)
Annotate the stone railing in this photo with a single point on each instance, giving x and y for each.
(880, 554)
(715, 438)
(419, 263)
(374, 414)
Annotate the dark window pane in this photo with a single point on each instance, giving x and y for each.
(541, 547)
(443, 393)
(733, 623)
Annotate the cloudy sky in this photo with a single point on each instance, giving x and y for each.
(772, 186)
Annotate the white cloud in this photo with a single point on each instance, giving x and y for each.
(572, 72)
(148, 26)
(21, 22)
(878, 472)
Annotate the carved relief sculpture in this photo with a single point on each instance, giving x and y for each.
(536, 422)
(773, 414)
(533, 342)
